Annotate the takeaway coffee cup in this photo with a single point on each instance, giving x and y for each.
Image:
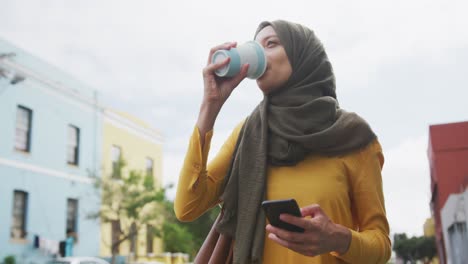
(250, 52)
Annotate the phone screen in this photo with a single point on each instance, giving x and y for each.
(273, 209)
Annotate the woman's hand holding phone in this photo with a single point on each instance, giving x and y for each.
(274, 208)
(320, 235)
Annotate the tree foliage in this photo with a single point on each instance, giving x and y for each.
(177, 238)
(414, 248)
(186, 237)
(133, 201)
(131, 198)
(9, 260)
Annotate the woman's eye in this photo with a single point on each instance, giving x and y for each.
(270, 43)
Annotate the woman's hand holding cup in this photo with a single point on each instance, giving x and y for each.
(216, 89)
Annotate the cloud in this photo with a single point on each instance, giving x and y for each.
(406, 182)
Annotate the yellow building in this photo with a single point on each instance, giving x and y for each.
(429, 231)
(429, 227)
(140, 146)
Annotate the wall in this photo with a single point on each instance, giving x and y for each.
(56, 100)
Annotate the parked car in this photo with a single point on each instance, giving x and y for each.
(78, 260)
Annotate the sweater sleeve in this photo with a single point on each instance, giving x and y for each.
(200, 184)
(370, 242)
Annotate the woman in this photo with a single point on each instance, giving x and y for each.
(297, 143)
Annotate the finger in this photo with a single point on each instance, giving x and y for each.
(297, 221)
(311, 210)
(287, 244)
(287, 235)
(224, 46)
(215, 66)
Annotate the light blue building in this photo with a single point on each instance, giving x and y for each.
(50, 138)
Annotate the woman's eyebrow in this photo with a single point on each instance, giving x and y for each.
(269, 37)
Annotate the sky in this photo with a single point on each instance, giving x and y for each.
(402, 65)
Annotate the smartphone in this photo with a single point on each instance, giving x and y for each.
(273, 209)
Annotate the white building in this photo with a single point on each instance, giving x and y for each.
(454, 223)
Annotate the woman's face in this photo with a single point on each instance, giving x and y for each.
(278, 68)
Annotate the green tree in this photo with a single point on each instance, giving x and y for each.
(133, 201)
(201, 227)
(177, 238)
(400, 246)
(428, 248)
(9, 260)
(186, 237)
(414, 248)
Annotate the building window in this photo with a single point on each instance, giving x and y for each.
(73, 145)
(149, 167)
(115, 236)
(149, 239)
(116, 162)
(20, 205)
(23, 128)
(72, 216)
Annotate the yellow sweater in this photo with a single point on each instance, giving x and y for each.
(347, 188)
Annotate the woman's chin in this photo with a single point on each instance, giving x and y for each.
(261, 85)
(265, 89)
